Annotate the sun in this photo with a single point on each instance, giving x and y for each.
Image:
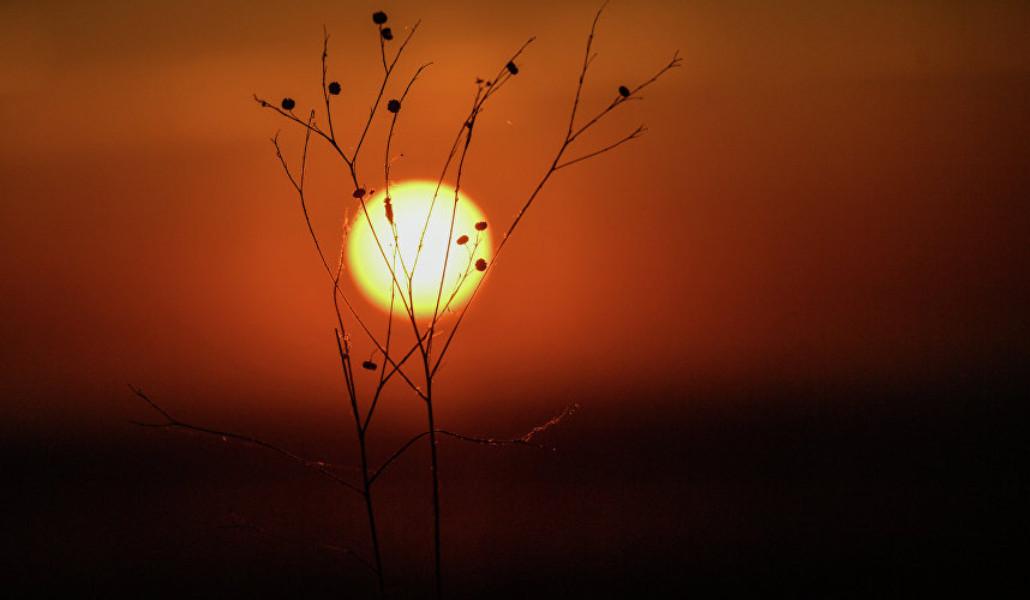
(371, 256)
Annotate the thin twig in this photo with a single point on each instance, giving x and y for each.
(639, 131)
(556, 164)
(173, 423)
(523, 440)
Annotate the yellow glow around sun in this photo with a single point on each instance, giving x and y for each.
(410, 202)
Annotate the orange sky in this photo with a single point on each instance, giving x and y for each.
(824, 192)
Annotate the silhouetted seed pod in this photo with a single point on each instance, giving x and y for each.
(387, 33)
(393, 106)
(462, 240)
(359, 193)
(389, 211)
(334, 88)
(379, 17)
(624, 91)
(480, 226)
(371, 366)
(481, 265)
(288, 103)
(512, 68)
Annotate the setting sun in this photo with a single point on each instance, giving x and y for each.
(410, 202)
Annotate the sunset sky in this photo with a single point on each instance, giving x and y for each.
(781, 310)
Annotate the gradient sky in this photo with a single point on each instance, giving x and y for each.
(830, 199)
(825, 190)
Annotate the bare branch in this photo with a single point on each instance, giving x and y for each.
(523, 440)
(587, 59)
(312, 127)
(325, 90)
(464, 129)
(639, 131)
(557, 163)
(173, 423)
(382, 89)
(634, 94)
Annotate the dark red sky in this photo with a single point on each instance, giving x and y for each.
(830, 196)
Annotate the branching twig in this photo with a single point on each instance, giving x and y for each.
(624, 96)
(639, 131)
(402, 273)
(523, 440)
(171, 422)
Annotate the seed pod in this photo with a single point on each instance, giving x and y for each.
(288, 103)
(359, 193)
(379, 17)
(481, 265)
(369, 365)
(462, 240)
(624, 91)
(512, 68)
(334, 88)
(387, 33)
(389, 211)
(393, 106)
(481, 226)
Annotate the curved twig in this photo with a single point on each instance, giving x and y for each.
(523, 440)
(173, 423)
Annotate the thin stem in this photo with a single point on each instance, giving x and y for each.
(325, 90)
(434, 466)
(366, 483)
(171, 422)
(525, 439)
(639, 131)
(382, 88)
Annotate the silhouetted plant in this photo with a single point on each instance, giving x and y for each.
(425, 348)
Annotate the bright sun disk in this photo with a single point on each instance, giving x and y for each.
(411, 202)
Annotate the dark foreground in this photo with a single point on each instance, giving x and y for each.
(822, 491)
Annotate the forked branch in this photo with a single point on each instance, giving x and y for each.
(625, 94)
